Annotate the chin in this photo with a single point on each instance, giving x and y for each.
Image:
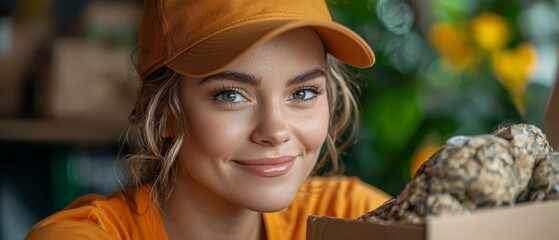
(269, 200)
(270, 206)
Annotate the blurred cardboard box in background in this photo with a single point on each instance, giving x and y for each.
(534, 221)
(90, 82)
(86, 76)
(93, 76)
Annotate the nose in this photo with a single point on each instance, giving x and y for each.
(272, 127)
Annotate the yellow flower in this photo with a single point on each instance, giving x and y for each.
(513, 68)
(490, 31)
(421, 155)
(452, 43)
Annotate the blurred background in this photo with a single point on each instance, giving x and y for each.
(444, 68)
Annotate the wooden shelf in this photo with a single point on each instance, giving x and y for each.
(61, 131)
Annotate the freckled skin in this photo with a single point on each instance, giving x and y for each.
(266, 122)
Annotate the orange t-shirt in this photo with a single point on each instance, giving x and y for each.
(97, 217)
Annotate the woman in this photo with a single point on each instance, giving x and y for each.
(237, 102)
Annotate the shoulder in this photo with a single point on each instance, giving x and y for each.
(342, 196)
(88, 217)
(98, 217)
(346, 184)
(68, 229)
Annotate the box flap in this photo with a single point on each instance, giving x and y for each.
(527, 221)
(328, 228)
(552, 117)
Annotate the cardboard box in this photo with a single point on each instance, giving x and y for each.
(551, 118)
(534, 221)
(90, 82)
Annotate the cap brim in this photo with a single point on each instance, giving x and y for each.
(215, 53)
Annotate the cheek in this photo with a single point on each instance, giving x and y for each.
(313, 128)
(213, 133)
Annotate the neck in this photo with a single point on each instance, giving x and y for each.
(194, 212)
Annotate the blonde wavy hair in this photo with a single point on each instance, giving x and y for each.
(157, 109)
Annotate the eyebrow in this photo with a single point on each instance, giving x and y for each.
(315, 73)
(252, 80)
(234, 76)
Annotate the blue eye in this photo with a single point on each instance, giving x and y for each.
(303, 94)
(230, 96)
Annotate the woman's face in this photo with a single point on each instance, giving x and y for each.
(254, 131)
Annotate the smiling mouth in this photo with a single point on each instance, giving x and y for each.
(268, 167)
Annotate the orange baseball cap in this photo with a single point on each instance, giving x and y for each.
(202, 37)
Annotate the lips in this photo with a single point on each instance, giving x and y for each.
(268, 167)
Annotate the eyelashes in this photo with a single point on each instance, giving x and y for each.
(229, 95)
(306, 93)
(232, 95)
